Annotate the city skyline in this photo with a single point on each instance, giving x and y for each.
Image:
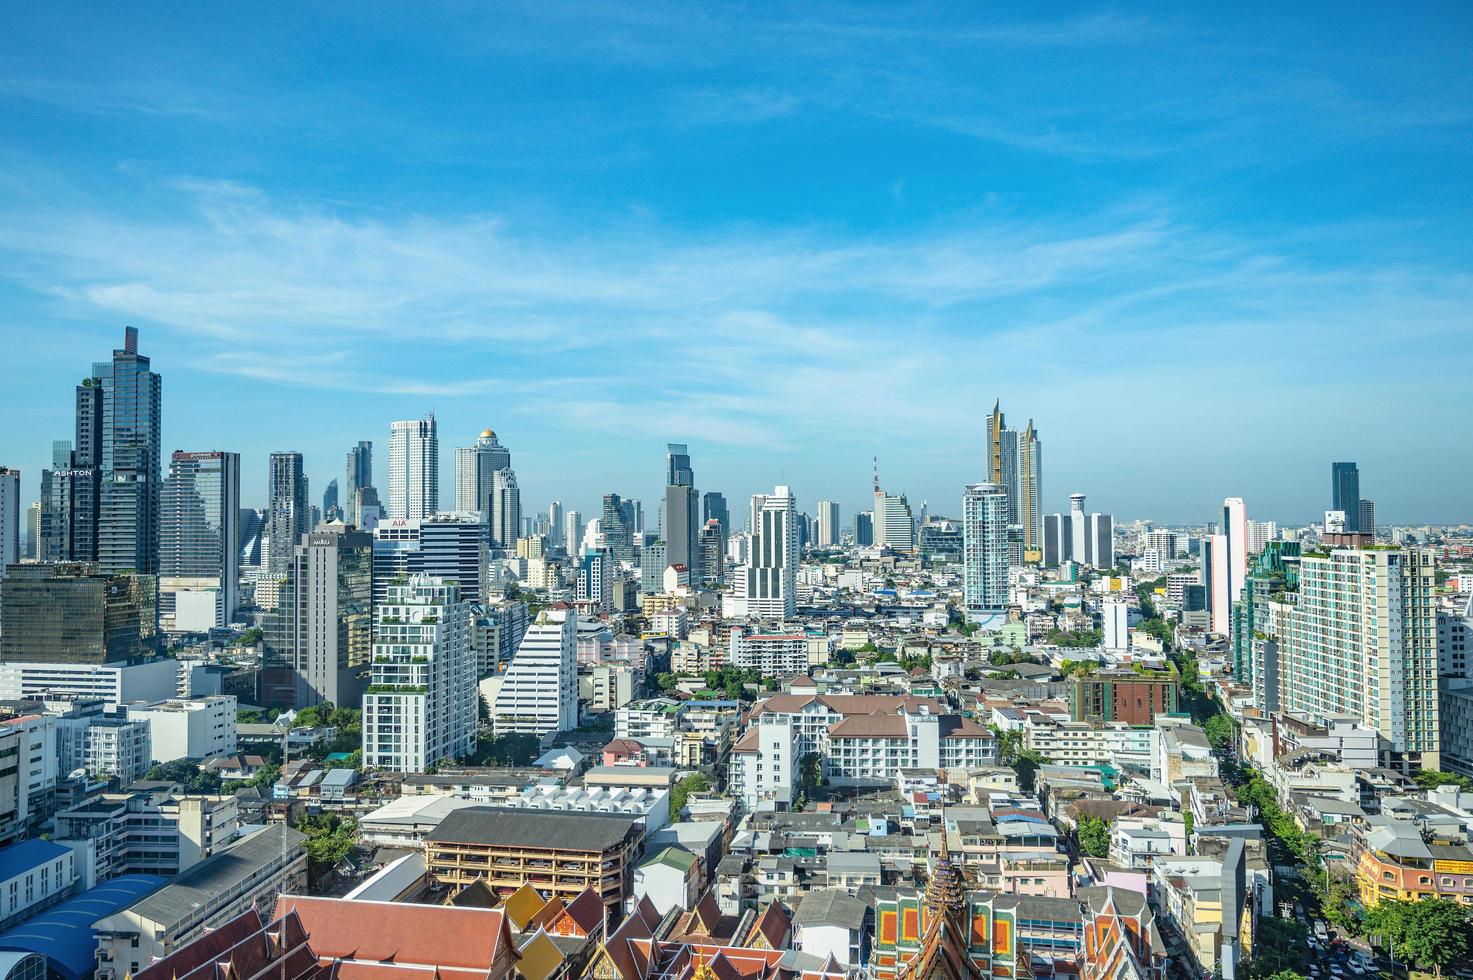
(1155, 233)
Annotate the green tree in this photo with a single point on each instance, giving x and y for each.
(696, 782)
(1221, 732)
(1432, 932)
(667, 681)
(190, 777)
(511, 749)
(264, 778)
(1026, 763)
(1078, 668)
(329, 839)
(1432, 778)
(250, 637)
(1094, 837)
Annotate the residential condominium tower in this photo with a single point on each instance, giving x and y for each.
(539, 692)
(828, 524)
(985, 553)
(1359, 639)
(319, 636)
(772, 571)
(420, 708)
(199, 570)
(287, 518)
(414, 468)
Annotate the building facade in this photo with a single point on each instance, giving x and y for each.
(420, 707)
(414, 468)
(199, 570)
(539, 692)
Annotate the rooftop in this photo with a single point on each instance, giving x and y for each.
(509, 827)
(187, 892)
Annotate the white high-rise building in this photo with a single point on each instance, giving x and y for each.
(894, 527)
(474, 466)
(985, 553)
(828, 523)
(572, 531)
(1235, 528)
(199, 547)
(421, 706)
(1260, 533)
(555, 527)
(1078, 528)
(596, 579)
(506, 510)
(414, 469)
(1217, 582)
(772, 571)
(1076, 536)
(1115, 614)
(539, 692)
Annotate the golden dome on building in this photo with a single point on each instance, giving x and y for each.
(487, 434)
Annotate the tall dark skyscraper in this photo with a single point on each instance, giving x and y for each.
(1345, 493)
(680, 516)
(131, 460)
(286, 515)
(715, 510)
(360, 475)
(330, 509)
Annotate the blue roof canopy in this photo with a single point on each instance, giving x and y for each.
(64, 934)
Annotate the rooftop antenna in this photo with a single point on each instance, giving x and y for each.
(877, 474)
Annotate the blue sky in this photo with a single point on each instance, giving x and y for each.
(1207, 251)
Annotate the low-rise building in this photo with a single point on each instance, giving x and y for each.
(188, 728)
(248, 874)
(559, 854)
(34, 875)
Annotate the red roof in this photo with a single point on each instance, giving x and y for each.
(440, 935)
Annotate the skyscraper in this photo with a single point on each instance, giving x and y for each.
(330, 509)
(714, 509)
(1217, 582)
(199, 572)
(1235, 527)
(414, 468)
(9, 517)
(505, 509)
(1366, 518)
(985, 553)
(286, 511)
(892, 524)
(131, 464)
(1345, 493)
(33, 530)
(555, 527)
(1361, 641)
(1030, 493)
(1076, 536)
(864, 528)
(679, 518)
(572, 531)
(474, 467)
(452, 545)
(828, 523)
(772, 570)
(713, 553)
(617, 530)
(360, 475)
(1015, 462)
(421, 706)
